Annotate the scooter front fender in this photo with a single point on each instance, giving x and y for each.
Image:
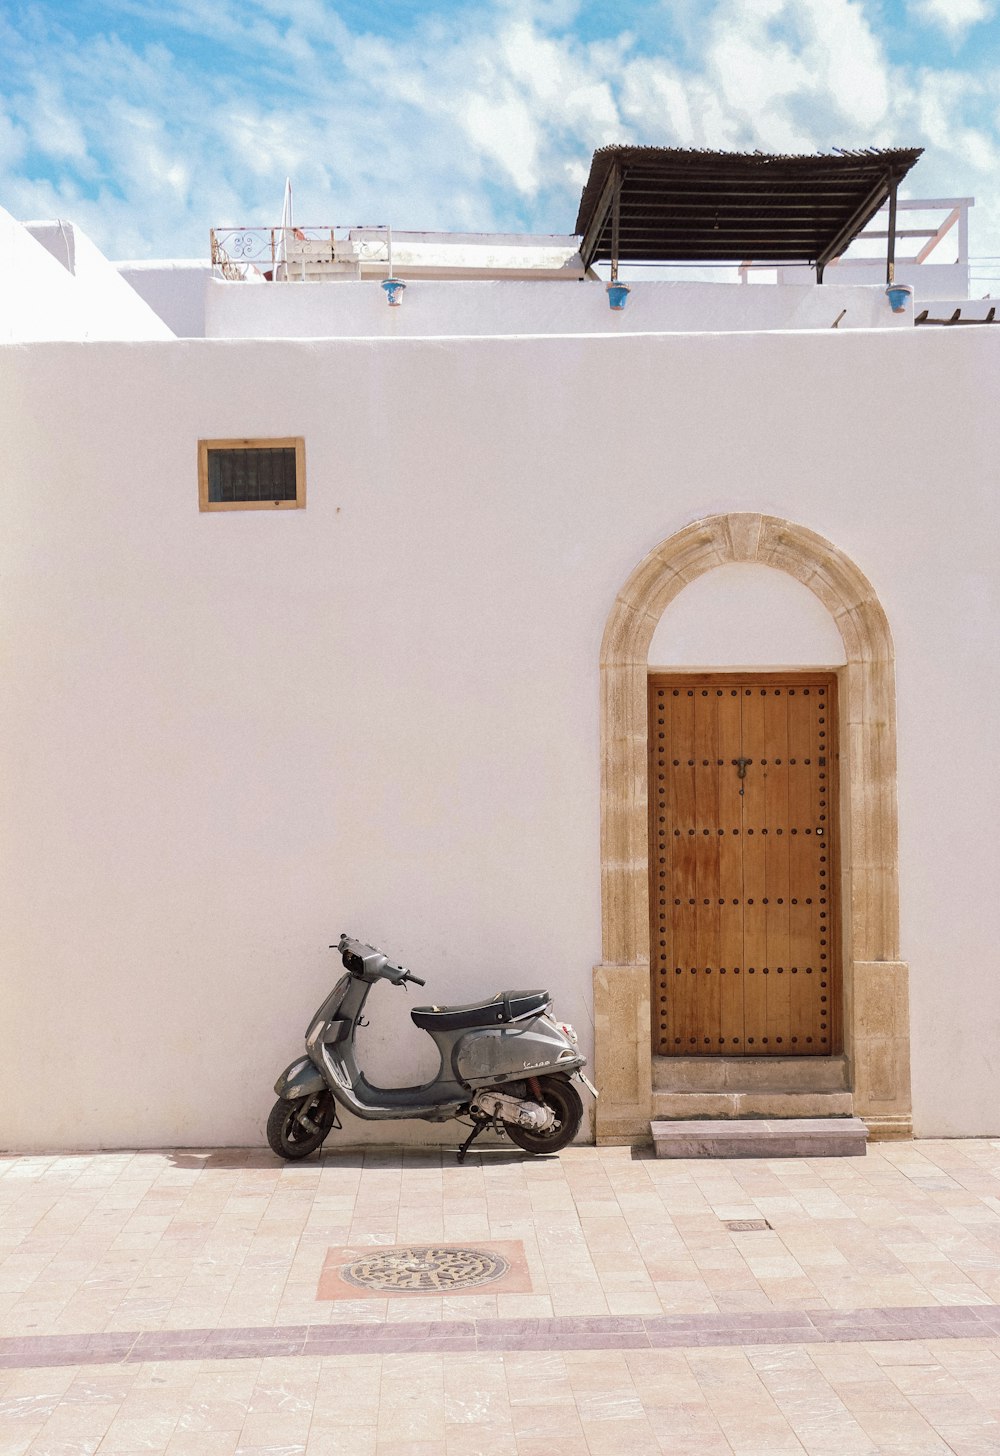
(300, 1079)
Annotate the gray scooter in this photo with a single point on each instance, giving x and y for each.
(505, 1063)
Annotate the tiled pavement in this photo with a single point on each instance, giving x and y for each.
(167, 1303)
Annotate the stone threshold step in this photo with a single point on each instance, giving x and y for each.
(745, 1074)
(758, 1102)
(786, 1137)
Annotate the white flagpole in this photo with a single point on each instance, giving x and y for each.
(280, 254)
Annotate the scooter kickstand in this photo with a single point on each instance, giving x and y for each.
(479, 1127)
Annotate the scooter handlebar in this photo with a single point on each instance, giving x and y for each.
(396, 974)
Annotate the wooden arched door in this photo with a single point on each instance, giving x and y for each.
(743, 869)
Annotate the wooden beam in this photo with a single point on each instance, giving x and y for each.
(936, 237)
(611, 189)
(871, 204)
(890, 247)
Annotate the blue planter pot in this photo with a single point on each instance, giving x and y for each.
(618, 295)
(393, 289)
(899, 295)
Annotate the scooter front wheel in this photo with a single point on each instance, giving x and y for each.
(564, 1101)
(289, 1136)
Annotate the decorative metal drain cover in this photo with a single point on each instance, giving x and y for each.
(425, 1269)
(357, 1271)
(746, 1225)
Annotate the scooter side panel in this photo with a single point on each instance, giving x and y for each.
(533, 1048)
(300, 1079)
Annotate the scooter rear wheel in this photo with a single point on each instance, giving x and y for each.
(564, 1100)
(285, 1133)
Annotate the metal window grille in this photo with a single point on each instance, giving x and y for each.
(257, 473)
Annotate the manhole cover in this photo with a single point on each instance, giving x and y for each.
(746, 1225)
(425, 1269)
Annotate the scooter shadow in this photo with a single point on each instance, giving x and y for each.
(210, 1159)
(381, 1155)
(386, 1155)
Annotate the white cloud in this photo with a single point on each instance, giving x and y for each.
(954, 16)
(54, 128)
(504, 131)
(776, 62)
(13, 142)
(848, 60)
(941, 104)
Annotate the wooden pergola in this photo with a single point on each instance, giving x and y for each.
(671, 205)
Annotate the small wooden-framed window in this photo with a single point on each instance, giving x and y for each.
(251, 475)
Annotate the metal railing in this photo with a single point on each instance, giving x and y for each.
(285, 254)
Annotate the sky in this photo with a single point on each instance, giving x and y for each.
(148, 124)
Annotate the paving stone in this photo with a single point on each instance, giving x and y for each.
(871, 1301)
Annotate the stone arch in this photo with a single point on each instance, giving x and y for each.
(875, 980)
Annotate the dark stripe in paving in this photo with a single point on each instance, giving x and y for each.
(611, 1332)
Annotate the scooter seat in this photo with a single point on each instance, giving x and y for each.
(505, 1006)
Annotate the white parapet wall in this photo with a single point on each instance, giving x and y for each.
(227, 737)
(39, 297)
(119, 312)
(446, 307)
(174, 288)
(55, 284)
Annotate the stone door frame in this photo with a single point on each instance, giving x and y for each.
(876, 1010)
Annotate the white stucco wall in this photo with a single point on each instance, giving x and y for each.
(40, 299)
(443, 308)
(744, 615)
(174, 288)
(227, 737)
(118, 311)
(928, 280)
